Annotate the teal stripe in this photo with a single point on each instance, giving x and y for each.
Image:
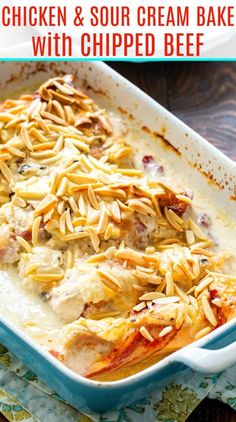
(124, 59)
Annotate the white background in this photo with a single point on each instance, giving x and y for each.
(219, 42)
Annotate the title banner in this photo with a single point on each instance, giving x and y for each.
(118, 29)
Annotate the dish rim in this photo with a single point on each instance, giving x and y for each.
(171, 357)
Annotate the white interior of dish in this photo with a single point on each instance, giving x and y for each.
(198, 156)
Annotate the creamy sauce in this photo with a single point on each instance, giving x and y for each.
(222, 227)
(27, 310)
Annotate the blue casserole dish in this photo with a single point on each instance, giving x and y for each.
(213, 353)
(208, 355)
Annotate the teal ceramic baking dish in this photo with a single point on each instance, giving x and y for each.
(213, 353)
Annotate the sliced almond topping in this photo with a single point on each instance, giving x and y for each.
(59, 109)
(98, 257)
(38, 135)
(46, 277)
(82, 206)
(62, 187)
(93, 216)
(92, 198)
(4, 156)
(54, 182)
(15, 122)
(115, 211)
(59, 144)
(31, 269)
(26, 138)
(68, 221)
(170, 289)
(62, 223)
(64, 99)
(52, 225)
(166, 300)
(150, 250)
(110, 252)
(203, 244)
(40, 155)
(166, 187)
(200, 251)
(197, 230)
(77, 222)
(139, 307)
(108, 314)
(62, 88)
(15, 151)
(193, 301)
(61, 207)
(217, 301)
(222, 275)
(103, 222)
(85, 161)
(190, 237)
(144, 269)
(29, 194)
(42, 124)
(99, 165)
(6, 117)
(208, 311)
(19, 202)
(110, 280)
(156, 206)
(83, 187)
(109, 231)
(131, 255)
(165, 331)
(181, 294)
(48, 215)
(69, 259)
(123, 207)
(35, 230)
(6, 172)
(70, 117)
(151, 296)
(108, 191)
(146, 277)
(203, 285)
(75, 236)
(94, 238)
(139, 206)
(202, 332)
(45, 145)
(53, 118)
(17, 108)
(24, 243)
(74, 206)
(184, 198)
(82, 146)
(46, 204)
(4, 199)
(145, 333)
(129, 172)
(170, 216)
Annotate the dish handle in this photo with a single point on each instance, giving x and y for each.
(205, 360)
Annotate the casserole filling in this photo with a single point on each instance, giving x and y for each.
(119, 263)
